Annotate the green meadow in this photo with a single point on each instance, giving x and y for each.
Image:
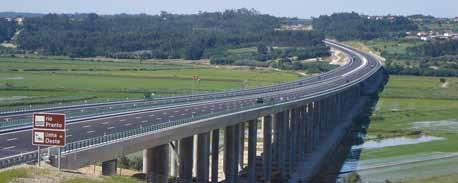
(408, 100)
(37, 80)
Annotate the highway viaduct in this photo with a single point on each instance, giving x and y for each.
(302, 123)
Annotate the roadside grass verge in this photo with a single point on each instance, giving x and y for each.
(9, 175)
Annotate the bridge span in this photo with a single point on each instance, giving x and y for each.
(302, 123)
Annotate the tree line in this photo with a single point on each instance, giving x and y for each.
(7, 29)
(352, 26)
(435, 48)
(162, 36)
(432, 58)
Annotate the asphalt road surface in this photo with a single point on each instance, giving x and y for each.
(14, 143)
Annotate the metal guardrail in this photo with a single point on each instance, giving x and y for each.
(32, 157)
(31, 107)
(160, 102)
(115, 137)
(82, 113)
(87, 143)
(29, 157)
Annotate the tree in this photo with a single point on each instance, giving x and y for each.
(262, 49)
(442, 80)
(7, 29)
(347, 26)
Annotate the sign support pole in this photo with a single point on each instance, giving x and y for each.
(59, 158)
(39, 156)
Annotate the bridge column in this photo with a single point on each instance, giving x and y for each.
(298, 139)
(283, 146)
(323, 115)
(231, 153)
(276, 136)
(334, 110)
(327, 115)
(320, 113)
(305, 123)
(173, 158)
(267, 160)
(317, 121)
(313, 125)
(300, 142)
(203, 149)
(293, 138)
(252, 137)
(156, 163)
(185, 153)
(339, 108)
(309, 124)
(242, 144)
(237, 147)
(109, 167)
(215, 155)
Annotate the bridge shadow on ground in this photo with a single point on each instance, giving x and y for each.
(345, 159)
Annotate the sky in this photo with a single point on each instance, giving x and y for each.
(285, 8)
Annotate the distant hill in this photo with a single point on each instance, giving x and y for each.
(19, 14)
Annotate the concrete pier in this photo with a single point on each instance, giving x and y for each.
(252, 138)
(230, 163)
(156, 163)
(215, 156)
(185, 153)
(282, 140)
(267, 160)
(242, 128)
(110, 167)
(203, 162)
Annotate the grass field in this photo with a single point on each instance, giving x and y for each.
(9, 63)
(63, 80)
(33, 174)
(407, 100)
(410, 105)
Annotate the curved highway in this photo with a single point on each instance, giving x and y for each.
(361, 67)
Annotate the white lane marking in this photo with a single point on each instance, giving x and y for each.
(164, 113)
(92, 131)
(158, 118)
(10, 147)
(144, 121)
(138, 117)
(109, 128)
(183, 114)
(152, 115)
(128, 124)
(364, 59)
(176, 111)
(69, 135)
(104, 123)
(122, 120)
(87, 126)
(171, 116)
(198, 103)
(11, 139)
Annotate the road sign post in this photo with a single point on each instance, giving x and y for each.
(49, 130)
